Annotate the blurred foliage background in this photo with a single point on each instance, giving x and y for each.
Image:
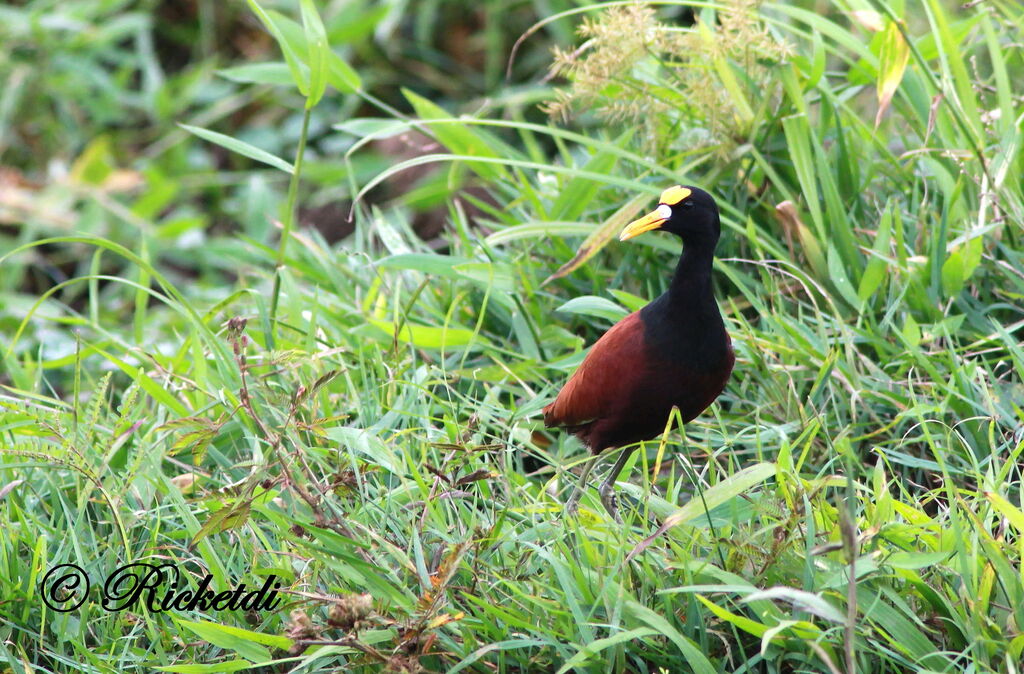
(284, 286)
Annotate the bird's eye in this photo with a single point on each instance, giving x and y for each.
(687, 204)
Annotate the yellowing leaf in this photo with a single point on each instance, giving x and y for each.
(185, 482)
(430, 336)
(444, 619)
(95, 163)
(892, 62)
(230, 516)
(1012, 514)
(740, 621)
(600, 237)
(787, 215)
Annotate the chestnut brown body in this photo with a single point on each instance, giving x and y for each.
(624, 390)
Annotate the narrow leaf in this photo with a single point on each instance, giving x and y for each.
(1012, 514)
(291, 56)
(457, 137)
(601, 236)
(697, 661)
(341, 75)
(875, 271)
(725, 490)
(429, 336)
(591, 305)
(273, 72)
(241, 147)
(591, 650)
(892, 62)
(316, 50)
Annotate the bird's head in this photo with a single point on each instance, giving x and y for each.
(686, 211)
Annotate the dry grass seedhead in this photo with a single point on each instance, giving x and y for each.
(681, 87)
(603, 70)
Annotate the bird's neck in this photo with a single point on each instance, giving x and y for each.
(690, 291)
(684, 325)
(685, 322)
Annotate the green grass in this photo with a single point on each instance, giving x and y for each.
(195, 370)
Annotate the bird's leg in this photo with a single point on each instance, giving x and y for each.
(573, 503)
(607, 488)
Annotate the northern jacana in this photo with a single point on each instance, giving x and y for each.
(674, 352)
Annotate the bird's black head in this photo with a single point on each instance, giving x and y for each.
(686, 211)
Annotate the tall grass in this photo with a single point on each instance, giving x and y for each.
(362, 417)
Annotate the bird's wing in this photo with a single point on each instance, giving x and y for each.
(613, 362)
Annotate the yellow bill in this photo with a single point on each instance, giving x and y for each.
(652, 220)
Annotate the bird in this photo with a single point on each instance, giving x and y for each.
(673, 352)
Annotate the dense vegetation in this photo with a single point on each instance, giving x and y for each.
(284, 286)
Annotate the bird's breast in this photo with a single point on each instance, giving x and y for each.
(686, 375)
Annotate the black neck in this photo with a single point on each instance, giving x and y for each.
(686, 319)
(690, 302)
(691, 284)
